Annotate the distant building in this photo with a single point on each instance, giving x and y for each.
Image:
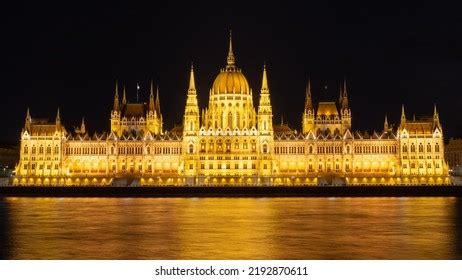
(453, 153)
(9, 156)
(232, 142)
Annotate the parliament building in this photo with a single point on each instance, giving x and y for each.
(231, 142)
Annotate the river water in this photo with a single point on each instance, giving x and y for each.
(230, 228)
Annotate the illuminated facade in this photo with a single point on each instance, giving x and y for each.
(231, 142)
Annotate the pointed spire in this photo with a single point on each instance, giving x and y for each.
(308, 101)
(264, 83)
(158, 102)
(82, 126)
(230, 58)
(124, 98)
(58, 117)
(116, 98)
(345, 94)
(152, 106)
(28, 119)
(192, 82)
(403, 115)
(385, 124)
(436, 117)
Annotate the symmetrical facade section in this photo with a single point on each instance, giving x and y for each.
(232, 142)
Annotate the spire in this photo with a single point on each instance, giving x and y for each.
(28, 119)
(116, 98)
(308, 101)
(403, 115)
(124, 98)
(158, 102)
(58, 117)
(192, 83)
(230, 58)
(151, 99)
(385, 124)
(264, 83)
(436, 117)
(345, 94)
(82, 126)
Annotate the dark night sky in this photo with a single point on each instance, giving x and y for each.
(69, 55)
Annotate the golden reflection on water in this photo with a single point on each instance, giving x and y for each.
(230, 228)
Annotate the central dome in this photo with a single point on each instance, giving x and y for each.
(230, 80)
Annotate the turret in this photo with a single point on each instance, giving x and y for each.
(82, 126)
(344, 99)
(28, 120)
(385, 124)
(308, 112)
(116, 106)
(124, 98)
(436, 118)
(265, 111)
(403, 117)
(191, 114)
(152, 105)
(159, 114)
(58, 119)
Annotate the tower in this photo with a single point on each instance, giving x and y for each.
(190, 129)
(116, 112)
(191, 114)
(153, 117)
(308, 112)
(265, 127)
(436, 119)
(402, 124)
(345, 111)
(58, 120)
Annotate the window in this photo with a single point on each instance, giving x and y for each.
(191, 148)
(429, 148)
(404, 148)
(56, 150)
(421, 148)
(41, 150)
(265, 148)
(310, 149)
(412, 148)
(437, 148)
(34, 149)
(148, 150)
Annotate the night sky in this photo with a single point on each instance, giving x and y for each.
(70, 55)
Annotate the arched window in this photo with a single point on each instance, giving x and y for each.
(230, 120)
(437, 148)
(56, 149)
(348, 149)
(34, 149)
(310, 149)
(191, 148)
(265, 148)
(26, 149)
(148, 150)
(404, 148)
(41, 150)
(429, 148)
(421, 149)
